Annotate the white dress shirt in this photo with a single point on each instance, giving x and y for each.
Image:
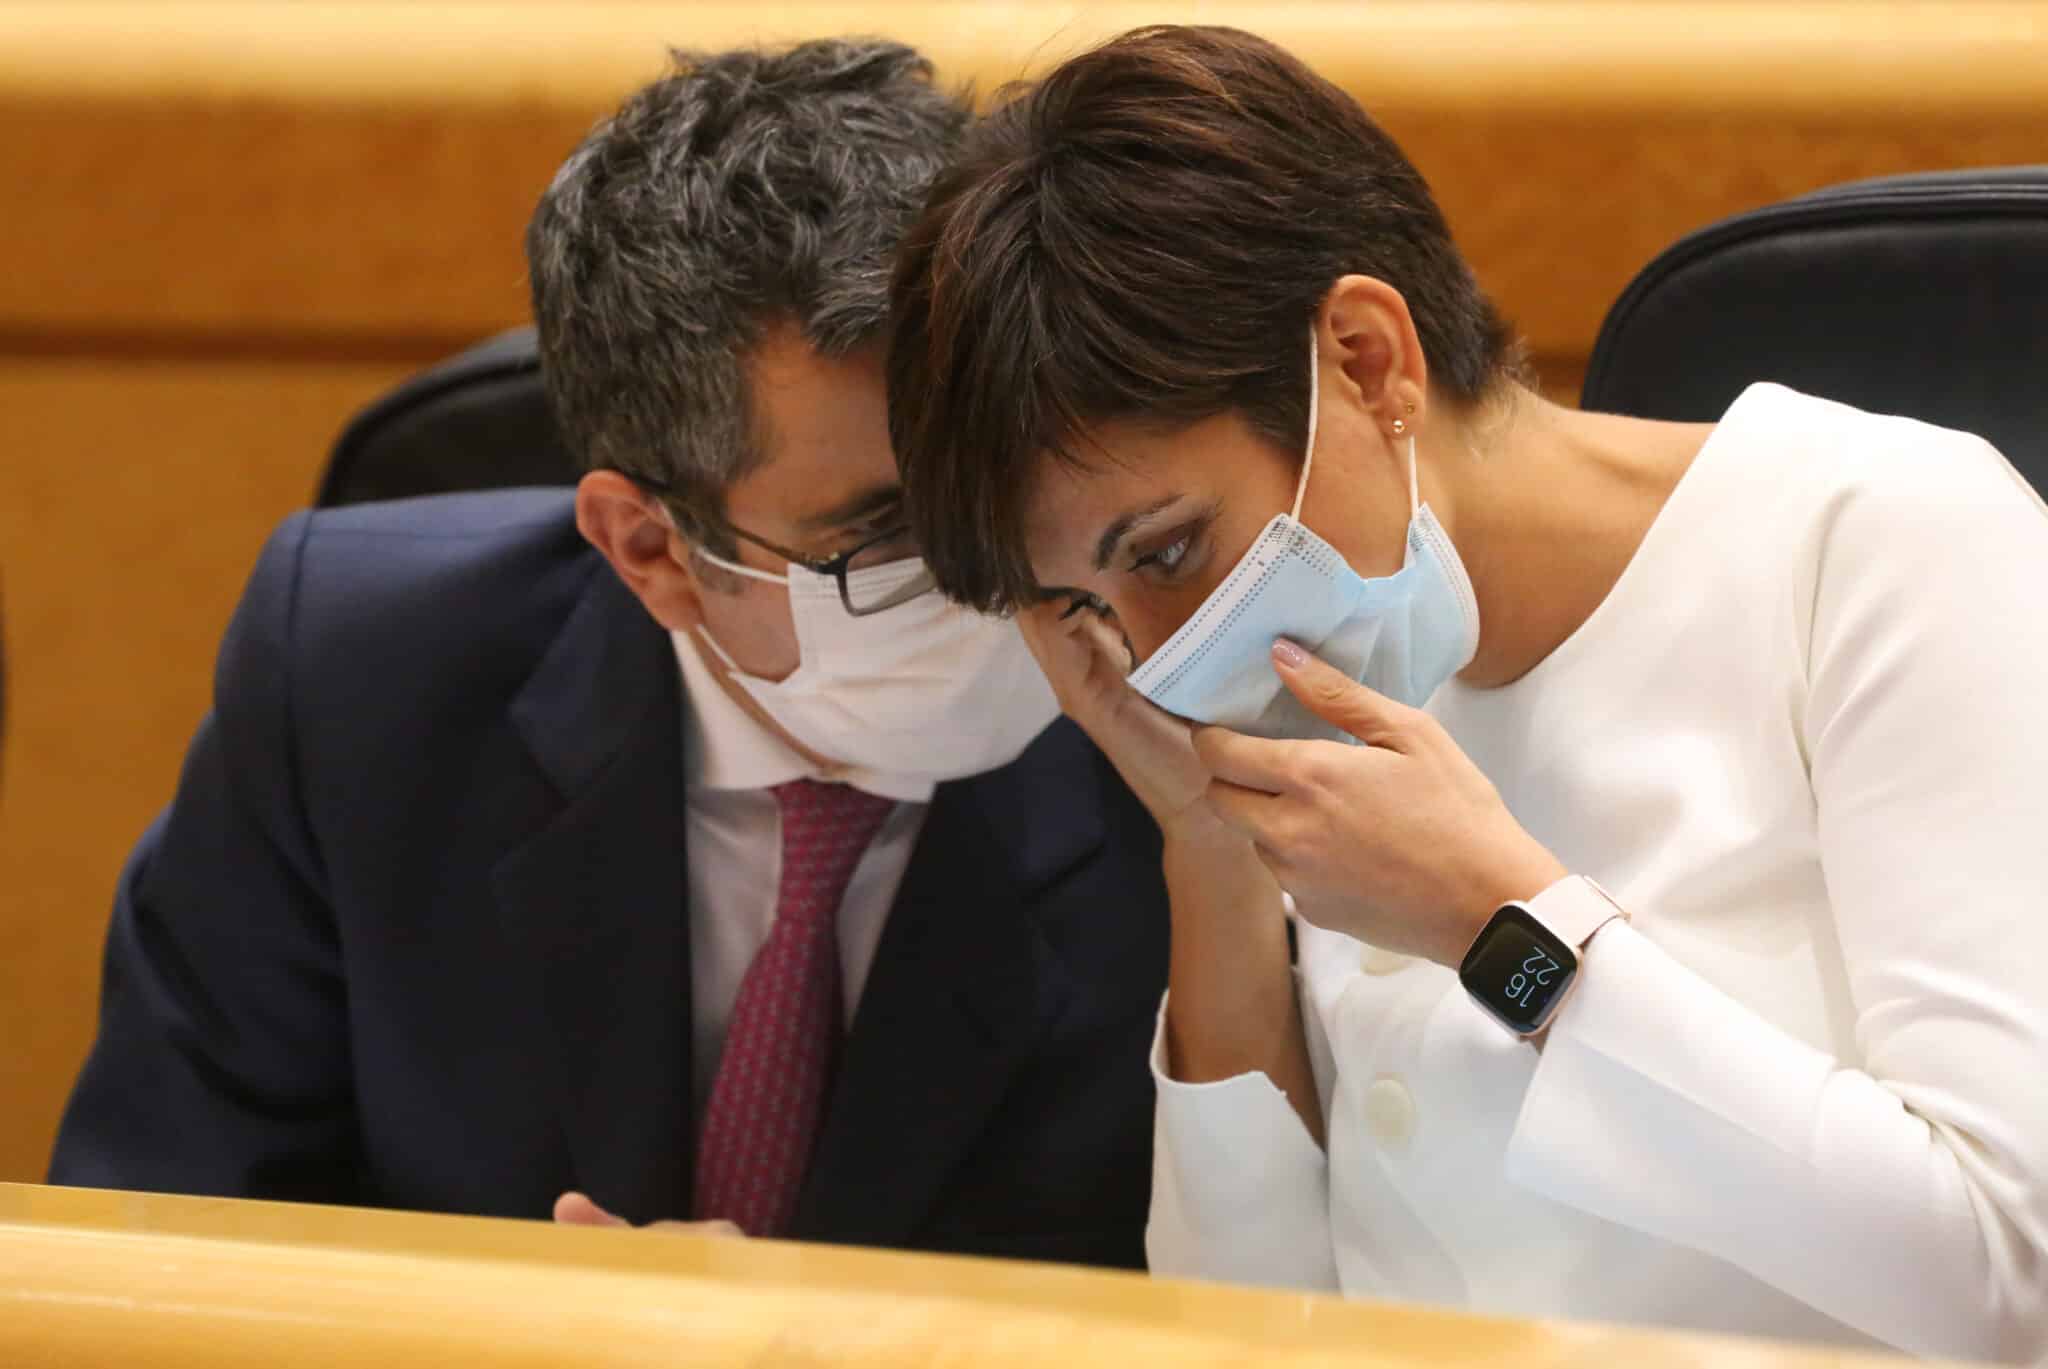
(734, 832)
(1804, 1093)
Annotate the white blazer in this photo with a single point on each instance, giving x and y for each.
(1804, 1093)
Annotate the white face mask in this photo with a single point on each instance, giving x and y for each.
(926, 691)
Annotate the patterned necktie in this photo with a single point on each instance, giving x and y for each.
(768, 1096)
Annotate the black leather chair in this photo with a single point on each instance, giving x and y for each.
(1923, 295)
(477, 421)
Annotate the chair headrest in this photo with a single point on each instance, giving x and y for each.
(478, 421)
(1923, 295)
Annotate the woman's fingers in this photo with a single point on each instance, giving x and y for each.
(1110, 645)
(1083, 657)
(1250, 762)
(1341, 701)
(1041, 627)
(1254, 814)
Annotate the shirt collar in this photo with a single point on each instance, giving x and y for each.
(726, 748)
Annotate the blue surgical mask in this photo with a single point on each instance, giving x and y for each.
(1402, 634)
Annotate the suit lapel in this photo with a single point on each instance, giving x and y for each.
(963, 984)
(594, 902)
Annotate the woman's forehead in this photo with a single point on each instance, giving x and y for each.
(1067, 508)
(1126, 469)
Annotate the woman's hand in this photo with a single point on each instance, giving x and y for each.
(1231, 1005)
(1086, 661)
(1401, 842)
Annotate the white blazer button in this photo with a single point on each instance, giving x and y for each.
(1377, 961)
(1389, 1112)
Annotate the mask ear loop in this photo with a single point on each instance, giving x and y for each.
(735, 568)
(699, 550)
(732, 666)
(703, 633)
(1308, 455)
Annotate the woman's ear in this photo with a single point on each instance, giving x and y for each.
(630, 531)
(1381, 353)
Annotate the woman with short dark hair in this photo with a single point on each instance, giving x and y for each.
(1183, 347)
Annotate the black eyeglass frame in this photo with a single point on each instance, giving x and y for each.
(834, 566)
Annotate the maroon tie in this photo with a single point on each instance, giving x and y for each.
(768, 1097)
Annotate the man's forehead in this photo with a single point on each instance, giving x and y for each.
(861, 505)
(802, 503)
(821, 431)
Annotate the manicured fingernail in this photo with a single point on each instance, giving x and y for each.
(1288, 654)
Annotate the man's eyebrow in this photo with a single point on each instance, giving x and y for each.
(1121, 525)
(864, 503)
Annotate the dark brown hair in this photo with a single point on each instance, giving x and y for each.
(1146, 234)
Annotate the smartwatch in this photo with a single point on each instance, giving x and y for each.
(1525, 960)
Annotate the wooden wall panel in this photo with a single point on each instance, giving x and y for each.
(273, 230)
(134, 497)
(260, 225)
(1558, 211)
(361, 172)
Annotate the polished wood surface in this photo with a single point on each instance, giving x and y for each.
(93, 1278)
(363, 170)
(229, 224)
(1599, 54)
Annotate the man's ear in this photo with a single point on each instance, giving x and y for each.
(622, 522)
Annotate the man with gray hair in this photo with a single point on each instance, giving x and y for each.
(671, 843)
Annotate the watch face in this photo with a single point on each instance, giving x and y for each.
(1518, 969)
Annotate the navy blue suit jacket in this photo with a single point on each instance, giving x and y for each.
(412, 932)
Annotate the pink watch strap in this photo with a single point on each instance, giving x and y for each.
(1574, 909)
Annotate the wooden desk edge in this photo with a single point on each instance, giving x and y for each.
(80, 1270)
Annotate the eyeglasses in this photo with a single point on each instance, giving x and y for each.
(890, 547)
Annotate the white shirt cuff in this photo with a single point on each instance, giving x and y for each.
(1240, 1190)
(1644, 1061)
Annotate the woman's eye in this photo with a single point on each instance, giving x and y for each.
(1167, 557)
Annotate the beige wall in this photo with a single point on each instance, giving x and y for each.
(224, 227)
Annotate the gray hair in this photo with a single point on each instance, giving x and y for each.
(744, 190)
